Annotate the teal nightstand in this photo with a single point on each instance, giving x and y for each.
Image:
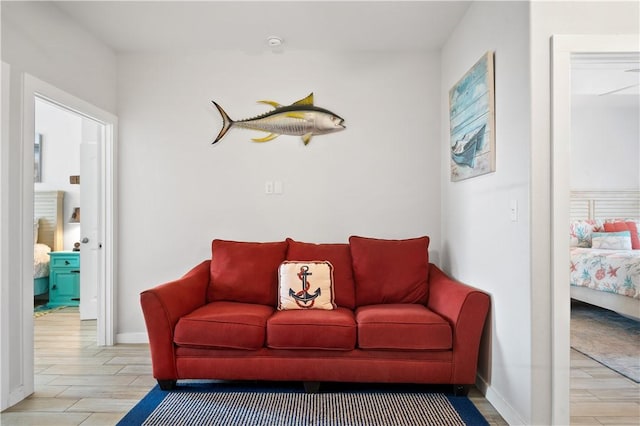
(64, 278)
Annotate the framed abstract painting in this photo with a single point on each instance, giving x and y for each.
(472, 122)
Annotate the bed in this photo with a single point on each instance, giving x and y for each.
(605, 277)
(48, 235)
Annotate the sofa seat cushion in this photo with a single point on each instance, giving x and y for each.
(312, 329)
(402, 327)
(224, 325)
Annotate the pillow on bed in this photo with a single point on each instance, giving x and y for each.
(620, 226)
(611, 240)
(36, 225)
(580, 232)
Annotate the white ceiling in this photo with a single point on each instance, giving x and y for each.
(357, 25)
(609, 79)
(602, 73)
(154, 26)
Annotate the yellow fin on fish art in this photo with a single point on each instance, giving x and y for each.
(272, 103)
(306, 101)
(306, 138)
(266, 138)
(299, 115)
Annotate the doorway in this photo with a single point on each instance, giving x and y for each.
(563, 47)
(67, 148)
(106, 166)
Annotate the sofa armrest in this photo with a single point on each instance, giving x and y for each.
(466, 309)
(163, 306)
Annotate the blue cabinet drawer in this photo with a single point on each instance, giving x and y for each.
(64, 260)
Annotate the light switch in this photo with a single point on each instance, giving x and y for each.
(513, 210)
(268, 187)
(277, 187)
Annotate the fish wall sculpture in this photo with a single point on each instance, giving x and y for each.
(301, 118)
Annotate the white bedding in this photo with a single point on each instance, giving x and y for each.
(611, 271)
(41, 260)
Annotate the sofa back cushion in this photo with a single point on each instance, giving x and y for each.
(390, 271)
(339, 255)
(245, 272)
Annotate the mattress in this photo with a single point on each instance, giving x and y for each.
(41, 260)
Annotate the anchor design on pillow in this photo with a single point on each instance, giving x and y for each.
(303, 298)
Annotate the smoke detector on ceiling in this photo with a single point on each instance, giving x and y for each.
(274, 41)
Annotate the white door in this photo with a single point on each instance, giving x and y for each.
(90, 238)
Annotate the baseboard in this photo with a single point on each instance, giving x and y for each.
(505, 409)
(16, 396)
(123, 338)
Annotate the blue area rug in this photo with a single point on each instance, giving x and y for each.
(233, 403)
(607, 337)
(41, 310)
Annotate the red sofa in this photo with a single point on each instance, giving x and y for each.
(392, 317)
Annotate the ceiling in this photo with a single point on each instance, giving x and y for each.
(154, 26)
(611, 79)
(329, 25)
(605, 73)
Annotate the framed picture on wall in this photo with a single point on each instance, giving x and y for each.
(472, 122)
(37, 158)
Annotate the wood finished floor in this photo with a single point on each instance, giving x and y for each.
(79, 383)
(600, 396)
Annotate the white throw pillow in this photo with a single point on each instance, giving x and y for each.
(305, 285)
(611, 240)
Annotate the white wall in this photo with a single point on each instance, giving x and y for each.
(605, 143)
(379, 177)
(61, 133)
(36, 39)
(481, 245)
(518, 374)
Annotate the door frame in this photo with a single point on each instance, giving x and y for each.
(33, 87)
(563, 46)
(8, 396)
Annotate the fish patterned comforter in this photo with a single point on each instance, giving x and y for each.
(610, 271)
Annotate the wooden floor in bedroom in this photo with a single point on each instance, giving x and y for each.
(601, 396)
(79, 383)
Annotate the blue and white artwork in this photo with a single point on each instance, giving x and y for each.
(471, 115)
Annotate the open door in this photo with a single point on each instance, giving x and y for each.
(90, 236)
